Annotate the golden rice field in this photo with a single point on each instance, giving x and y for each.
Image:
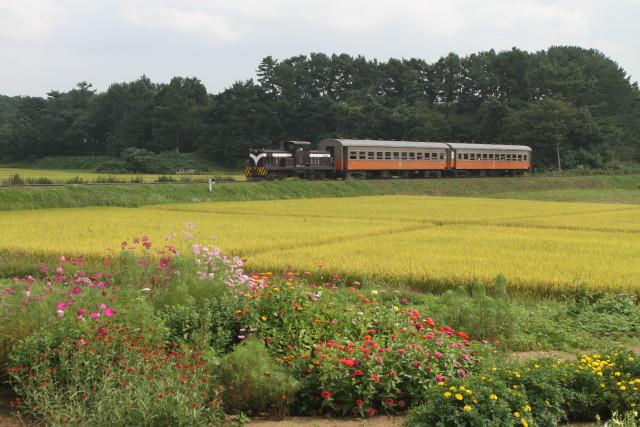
(541, 247)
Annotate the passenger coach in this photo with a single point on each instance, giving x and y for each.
(373, 158)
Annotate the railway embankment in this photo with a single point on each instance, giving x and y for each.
(597, 188)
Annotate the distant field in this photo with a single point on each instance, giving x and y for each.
(58, 176)
(427, 242)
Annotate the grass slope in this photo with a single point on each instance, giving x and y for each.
(611, 189)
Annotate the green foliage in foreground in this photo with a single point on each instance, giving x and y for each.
(540, 393)
(156, 330)
(622, 188)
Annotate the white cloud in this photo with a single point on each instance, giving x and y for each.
(27, 20)
(207, 23)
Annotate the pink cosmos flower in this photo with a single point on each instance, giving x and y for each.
(437, 355)
(94, 315)
(60, 312)
(108, 311)
(462, 373)
(439, 378)
(103, 331)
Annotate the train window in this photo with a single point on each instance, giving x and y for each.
(353, 155)
(403, 155)
(441, 156)
(371, 155)
(509, 157)
(419, 155)
(519, 156)
(361, 155)
(387, 155)
(484, 156)
(459, 156)
(525, 157)
(396, 155)
(466, 156)
(379, 155)
(472, 156)
(502, 157)
(490, 156)
(412, 156)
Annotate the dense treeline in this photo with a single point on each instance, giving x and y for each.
(570, 96)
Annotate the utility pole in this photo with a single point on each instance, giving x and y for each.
(558, 154)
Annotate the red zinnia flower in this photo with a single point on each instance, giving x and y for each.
(325, 394)
(359, 402)
(347, 361)
(390, 400)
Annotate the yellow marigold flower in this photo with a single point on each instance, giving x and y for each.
(441, 383)
(516, 414)
(524, 422)
(517, 374)
(617, 374)
(447, 394)
(452, 388)
(459, 396)
(374, 292)
(467, 407)
(264, 318)
(468, 392)
(276, 289)
(493, 397)
(622, 388)
(462, 387)
(526, 408)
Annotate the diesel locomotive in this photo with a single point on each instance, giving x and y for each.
(364, 158)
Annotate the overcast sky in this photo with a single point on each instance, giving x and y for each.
(53, 44)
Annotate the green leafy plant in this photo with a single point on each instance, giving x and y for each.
(253, 382)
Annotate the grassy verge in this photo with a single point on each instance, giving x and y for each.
(620, 189)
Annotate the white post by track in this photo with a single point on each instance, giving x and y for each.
(212, 182)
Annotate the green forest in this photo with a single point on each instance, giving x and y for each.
(571, 96)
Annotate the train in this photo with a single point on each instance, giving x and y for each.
(366, 158)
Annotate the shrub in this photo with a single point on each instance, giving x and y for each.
(114, 377)
(480, 315)
(478, 401)
(166, 178)
(14, 180)
(39, 180)
(253, 382)
(385, 370)
(76, 180)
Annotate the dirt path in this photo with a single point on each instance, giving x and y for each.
(330, 422)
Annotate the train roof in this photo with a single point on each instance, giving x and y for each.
(501, 147)
(419, 144)
(391, 144)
